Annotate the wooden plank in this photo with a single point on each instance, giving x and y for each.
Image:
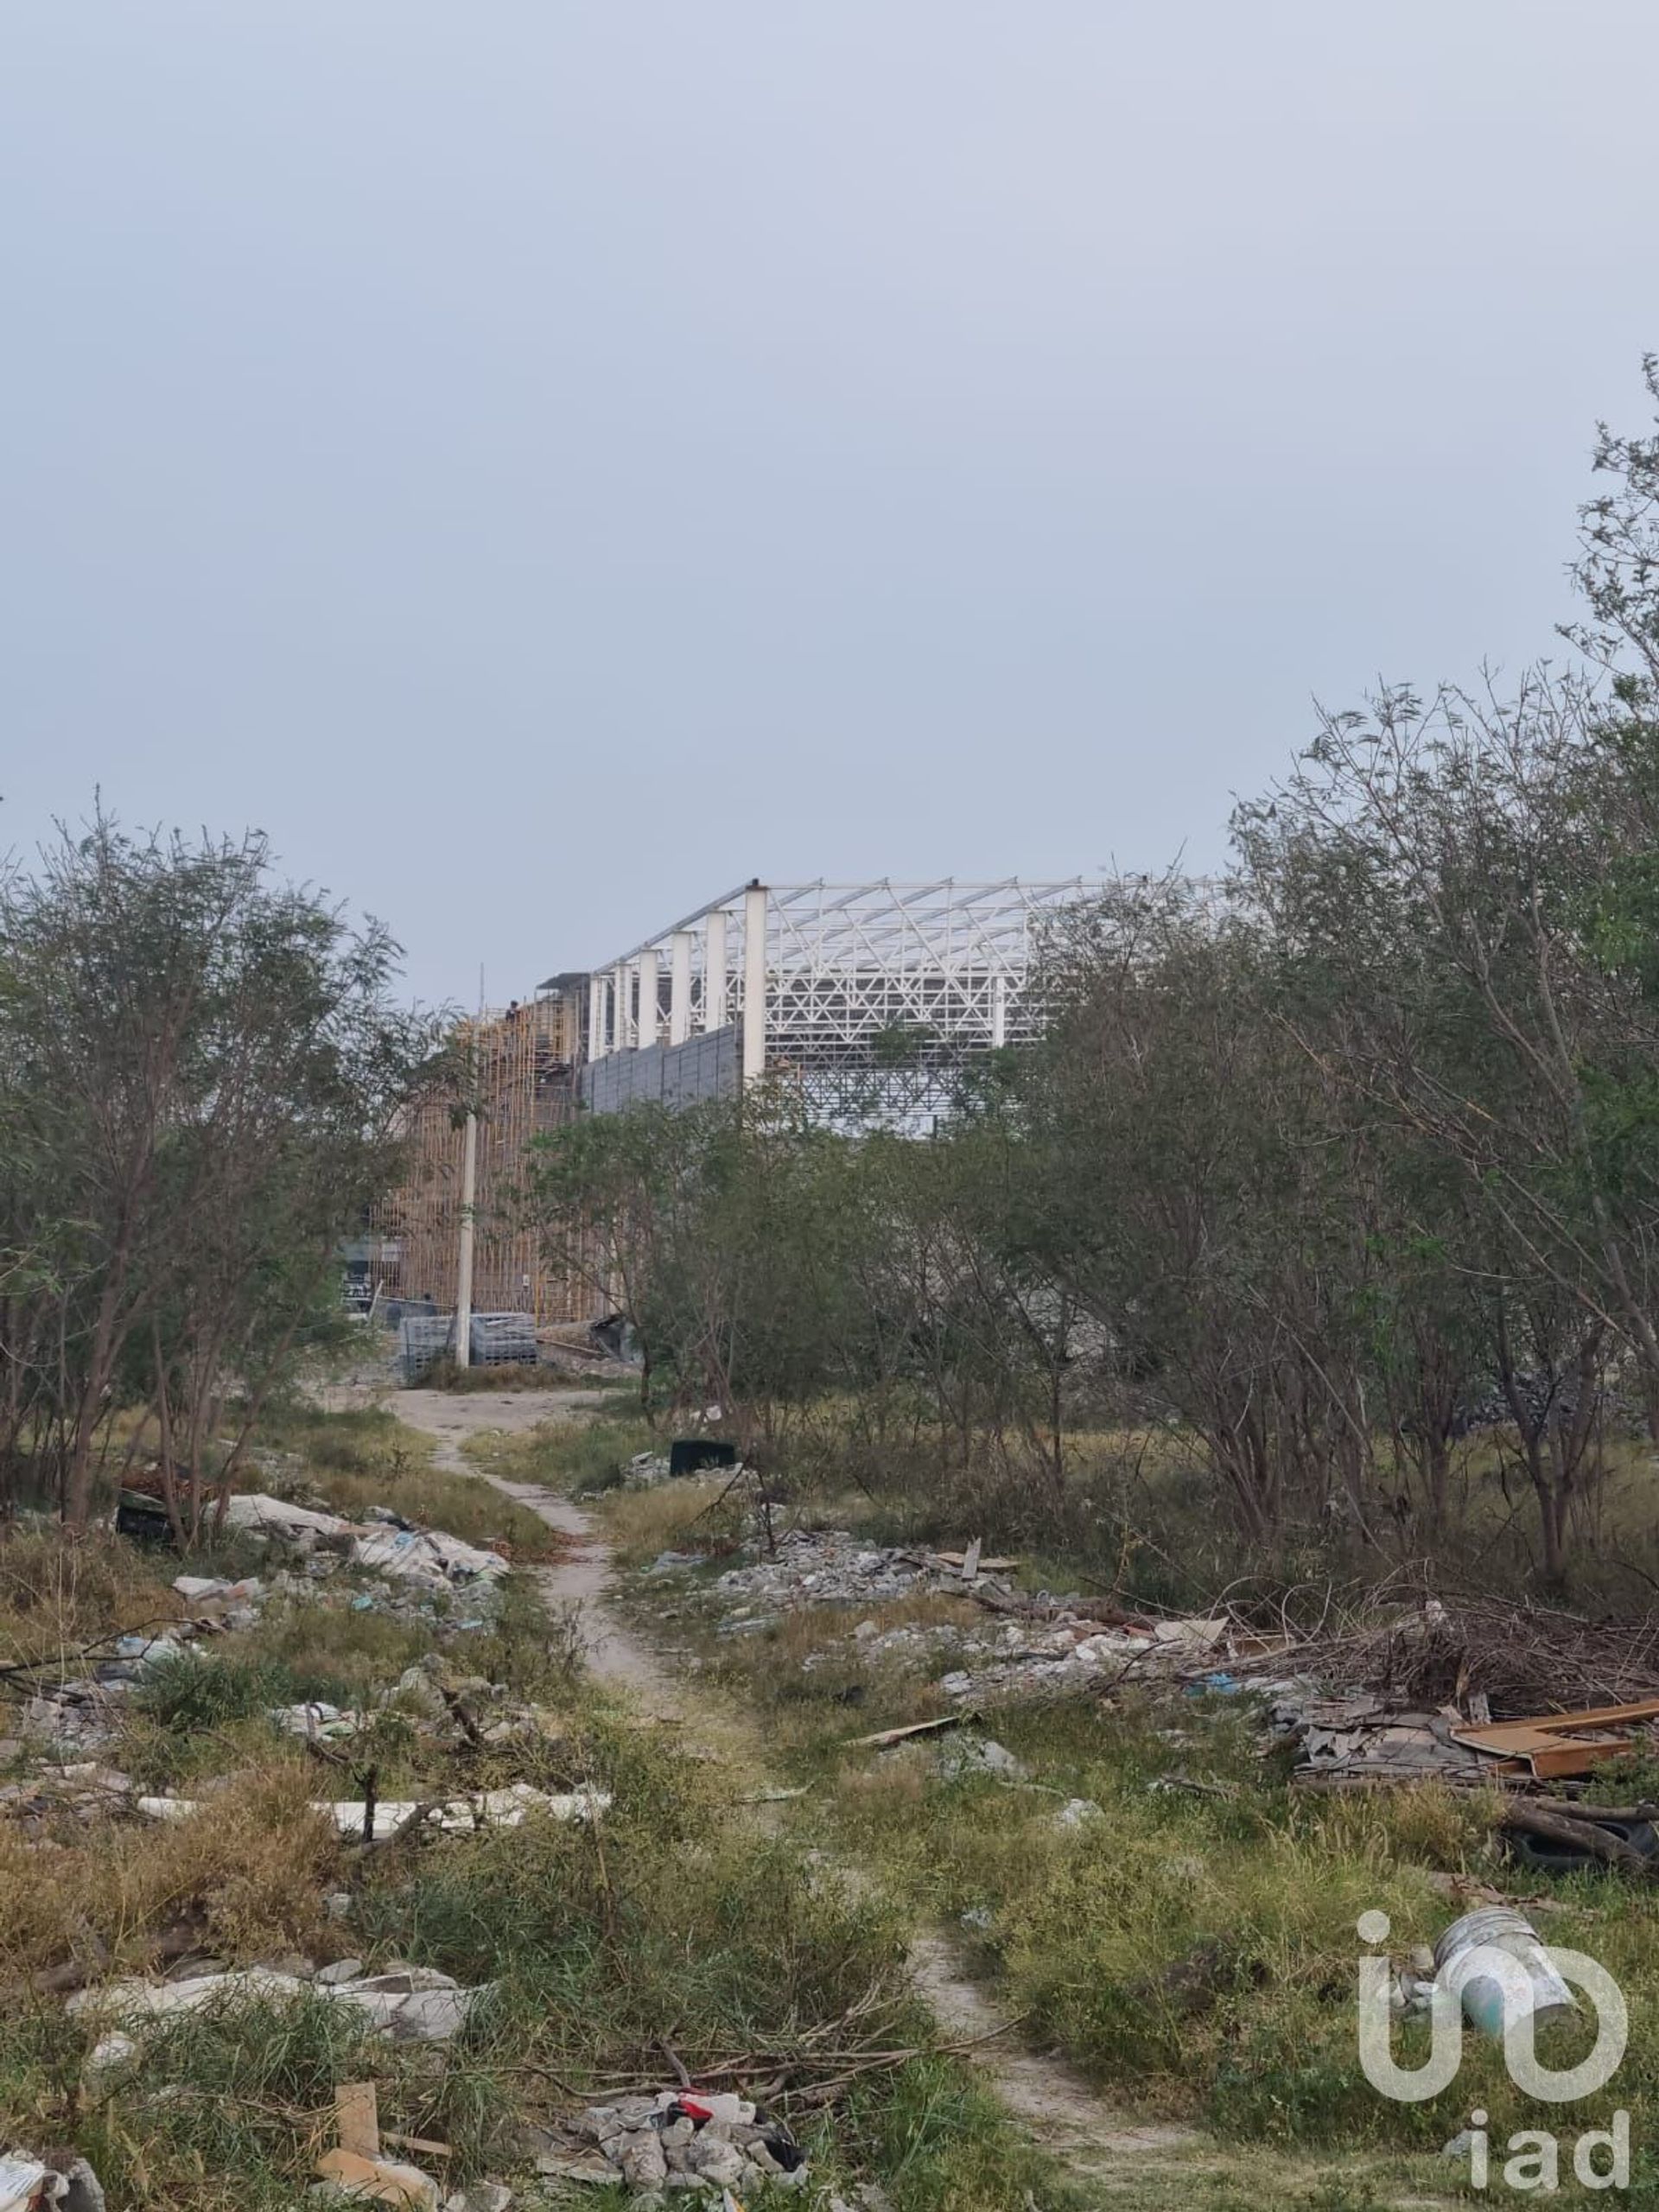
(884, 1737)
(1561, 1743)
(357, 2119)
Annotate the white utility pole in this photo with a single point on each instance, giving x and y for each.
(468, 1195)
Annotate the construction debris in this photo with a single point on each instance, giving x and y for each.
(831, 1567)
(355, 2170)
(388, 1545)
(1038, 1646)
(885, 1738)
(350, 2179)
(676, 2139)
(408, 2004)
(360, 1822)
(1557, 1744)
(31, 2184)
(1362, 1738)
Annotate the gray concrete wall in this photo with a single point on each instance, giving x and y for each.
(665, 1075)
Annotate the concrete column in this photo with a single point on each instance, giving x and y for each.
(998, 1010)
(650, 999)
(621, 1019)
(595, 1017)
(714, 971)
(755, 983)
(679, 987)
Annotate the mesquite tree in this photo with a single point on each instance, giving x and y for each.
(199, 1069)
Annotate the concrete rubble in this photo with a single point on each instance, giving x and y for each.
(85, 1716)
(675, 2141)
(1359, 1736)
(386, 1545)
(1063, 1654)
(407, 2004)
(1029, 1646)
(55, 1766)
(415, 1571)
(59, 2182)
(830, 1567)
(489, 1808)
(645, 1471)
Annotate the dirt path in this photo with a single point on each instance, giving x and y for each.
(579, 1580)
(1062, 2110)
(1120, 2162)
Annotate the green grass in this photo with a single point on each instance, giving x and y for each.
(1194, 1954)
(675, 1920)
(581, 1458)
(366, 1457)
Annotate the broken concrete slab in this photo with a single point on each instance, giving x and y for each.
(491, 1808)
(409, 2004)
(427, 1555)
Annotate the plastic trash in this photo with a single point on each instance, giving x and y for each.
(1469, 1959)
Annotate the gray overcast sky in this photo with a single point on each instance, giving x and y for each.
(546, 460)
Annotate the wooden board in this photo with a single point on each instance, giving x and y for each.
(1555, 1743)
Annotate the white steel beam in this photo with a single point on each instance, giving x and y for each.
(755, 983)
(650, 999)
(679, 987)
(715, 1000)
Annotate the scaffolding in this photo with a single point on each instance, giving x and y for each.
(523, 1062)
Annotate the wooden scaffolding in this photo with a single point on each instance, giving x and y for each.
(524, 1084)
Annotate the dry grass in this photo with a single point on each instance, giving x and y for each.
(61, 1594)
(247, 1875)
(367, 1457)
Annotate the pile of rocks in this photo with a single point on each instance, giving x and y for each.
(1035, 1647)
(1058, 1657)
(645, 1471)
(830, 1567)
(678, 2140)
(73, 1720)
(81, 1788)
(415, 1571)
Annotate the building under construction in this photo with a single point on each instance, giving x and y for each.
(871, 1001)
(523, 1065)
